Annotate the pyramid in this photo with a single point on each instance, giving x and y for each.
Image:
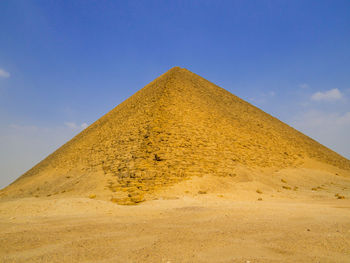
(178, 126)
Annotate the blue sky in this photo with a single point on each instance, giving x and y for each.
(63, 64)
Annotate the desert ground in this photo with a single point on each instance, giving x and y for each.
(198, 220)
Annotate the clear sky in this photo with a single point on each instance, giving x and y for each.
(63, 64)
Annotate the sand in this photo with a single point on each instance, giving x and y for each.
(182, 230)
(205, 219)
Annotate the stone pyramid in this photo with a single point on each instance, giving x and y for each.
(178, 126)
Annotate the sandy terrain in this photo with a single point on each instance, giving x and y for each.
(286, 226)
(185, 230)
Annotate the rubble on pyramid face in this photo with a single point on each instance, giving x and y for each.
(178, 126)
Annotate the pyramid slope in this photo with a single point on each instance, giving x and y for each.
(178, 126)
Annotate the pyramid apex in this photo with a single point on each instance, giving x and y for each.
(176, 70)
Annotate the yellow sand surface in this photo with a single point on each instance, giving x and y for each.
(209, 226)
